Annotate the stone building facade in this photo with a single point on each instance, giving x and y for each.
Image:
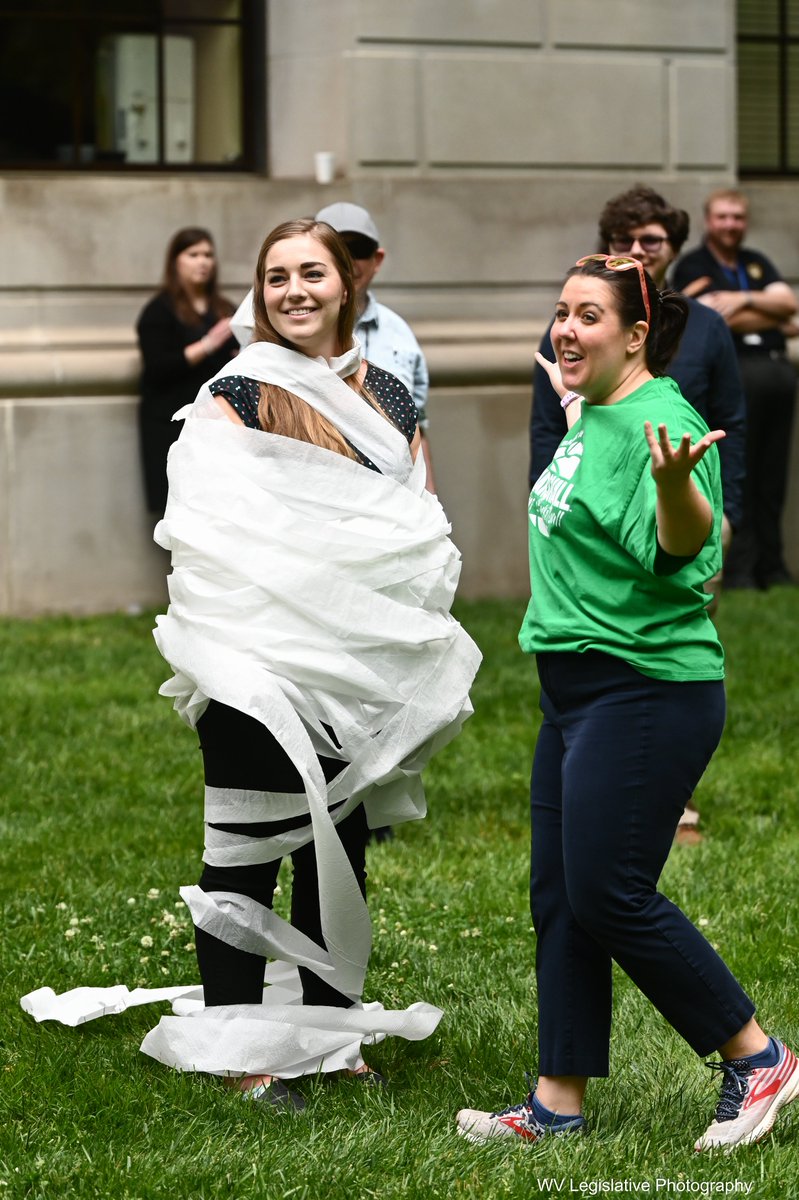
(483, 136)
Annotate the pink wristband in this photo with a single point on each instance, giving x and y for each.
(567, 399)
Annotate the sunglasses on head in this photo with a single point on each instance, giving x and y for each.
(651, 242)
(358, 246)
(613, 262)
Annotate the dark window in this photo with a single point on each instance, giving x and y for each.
(768, 87)
(130, 84)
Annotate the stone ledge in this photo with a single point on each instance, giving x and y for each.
(92, 362)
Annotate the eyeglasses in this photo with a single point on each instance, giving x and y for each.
(651, 242)
(359, 247)
(614, 262)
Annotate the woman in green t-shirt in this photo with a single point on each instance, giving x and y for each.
(624, 528)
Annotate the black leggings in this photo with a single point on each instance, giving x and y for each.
(238, 752)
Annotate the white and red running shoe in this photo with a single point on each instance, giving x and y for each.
(516, 1121)
(750, 1099)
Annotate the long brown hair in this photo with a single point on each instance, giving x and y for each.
(218, 305)
(280, 411)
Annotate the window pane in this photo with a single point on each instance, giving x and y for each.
(100, 87)
(793, 108)
(75, 9)
(758, 16)
(204, 10)
(37, 114)
(793, 18)
(215, 113)
(126, 98)
(758, 108)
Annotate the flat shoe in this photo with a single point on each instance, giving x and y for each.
(275, 1095)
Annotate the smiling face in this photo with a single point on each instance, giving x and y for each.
(303, 294)
(725, 224)
(597, 355)
(195, 266)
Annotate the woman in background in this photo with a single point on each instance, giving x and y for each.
(184, 338)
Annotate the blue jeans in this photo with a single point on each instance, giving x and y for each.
(617, 757)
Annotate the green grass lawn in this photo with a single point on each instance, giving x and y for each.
(101, 823)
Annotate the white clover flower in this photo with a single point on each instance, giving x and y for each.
(144, 959)
(278, 890)
(131, 900)
(167, 917)
(153, 893)
(74, 921)
(165, 953)
(104, 967)
(165, 970)
(395, 966)
(432, 947)
(146, 941)
(180, 904)
(403, 933)
(61, 906)
(87, 920)
(509, 920)
(71, 932)
(703, 921)
(189, 946)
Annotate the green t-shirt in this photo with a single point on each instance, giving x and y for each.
(598, 578)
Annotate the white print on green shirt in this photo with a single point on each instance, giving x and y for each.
(549, 497)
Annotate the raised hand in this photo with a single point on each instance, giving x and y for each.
(672, 466)
(553, 371)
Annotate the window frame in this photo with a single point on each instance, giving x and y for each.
(251, 24)
(783, 41)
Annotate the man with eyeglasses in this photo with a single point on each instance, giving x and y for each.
(747, 291)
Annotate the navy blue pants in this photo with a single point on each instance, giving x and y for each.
(617, 757)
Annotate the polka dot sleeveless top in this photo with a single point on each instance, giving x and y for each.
(242, 394)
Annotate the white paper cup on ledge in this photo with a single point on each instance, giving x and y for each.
(324, 162)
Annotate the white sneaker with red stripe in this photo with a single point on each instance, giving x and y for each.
(750, 1099)
(517, 1121)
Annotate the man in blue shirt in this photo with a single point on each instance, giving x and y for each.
(747, 291)
(386, 339)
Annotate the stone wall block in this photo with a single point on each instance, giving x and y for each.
(640, 24)
(703, 99)
(515, 22)
(384, 115)
(498, 109)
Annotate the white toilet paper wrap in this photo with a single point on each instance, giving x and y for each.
(312, 594)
